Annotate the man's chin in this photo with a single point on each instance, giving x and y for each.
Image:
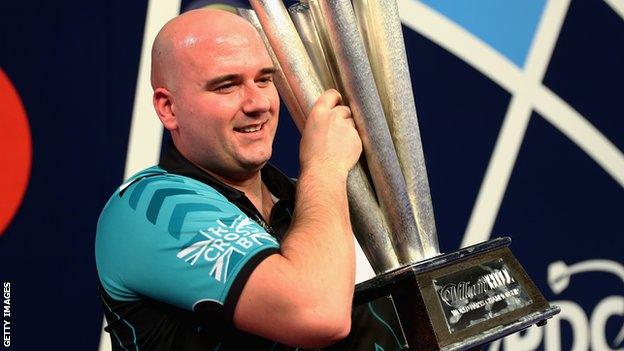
(254, 165)
(256, 162)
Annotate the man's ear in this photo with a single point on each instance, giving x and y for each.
(163, 104)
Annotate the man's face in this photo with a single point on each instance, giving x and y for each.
(225, 103)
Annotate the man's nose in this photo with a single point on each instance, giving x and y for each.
(256, 100)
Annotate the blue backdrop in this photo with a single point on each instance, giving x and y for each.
(533, 87)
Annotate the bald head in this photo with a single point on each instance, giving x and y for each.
(213, 91)
(195, 30)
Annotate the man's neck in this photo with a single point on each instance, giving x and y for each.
(255, 190)
(249, 185)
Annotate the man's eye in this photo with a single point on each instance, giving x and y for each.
(265, 81)
(225, 88)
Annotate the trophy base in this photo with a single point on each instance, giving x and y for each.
(461, 300)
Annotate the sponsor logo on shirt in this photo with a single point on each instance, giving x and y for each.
(222, 242)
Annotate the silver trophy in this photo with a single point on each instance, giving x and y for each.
(444, 301)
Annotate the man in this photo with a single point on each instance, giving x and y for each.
(200, 252)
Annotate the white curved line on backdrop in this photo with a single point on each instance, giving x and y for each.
(571, 123)
(617, 6)
(598, 265)
(145, 128)
(499, 69)
(515, 123)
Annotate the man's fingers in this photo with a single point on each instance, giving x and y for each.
(342, 111)
(329, 99)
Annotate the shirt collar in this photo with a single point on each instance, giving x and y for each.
(277, 182)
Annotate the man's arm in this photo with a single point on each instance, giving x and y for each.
(302, 296)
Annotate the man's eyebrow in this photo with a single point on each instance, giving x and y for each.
(221, 79)
(268, 70)
(230, 77)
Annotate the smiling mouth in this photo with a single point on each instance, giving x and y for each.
(250, 129)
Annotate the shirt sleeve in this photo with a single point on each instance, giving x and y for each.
(178, 241)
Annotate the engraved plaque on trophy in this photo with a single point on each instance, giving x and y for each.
(461, 300)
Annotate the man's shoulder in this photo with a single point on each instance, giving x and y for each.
(152, 189)
(167, 225)
(156, 179)
(159, 177)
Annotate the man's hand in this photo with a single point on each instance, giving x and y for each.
(329, 141)
(302, 296)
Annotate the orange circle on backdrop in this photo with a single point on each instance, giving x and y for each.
(15, 151)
